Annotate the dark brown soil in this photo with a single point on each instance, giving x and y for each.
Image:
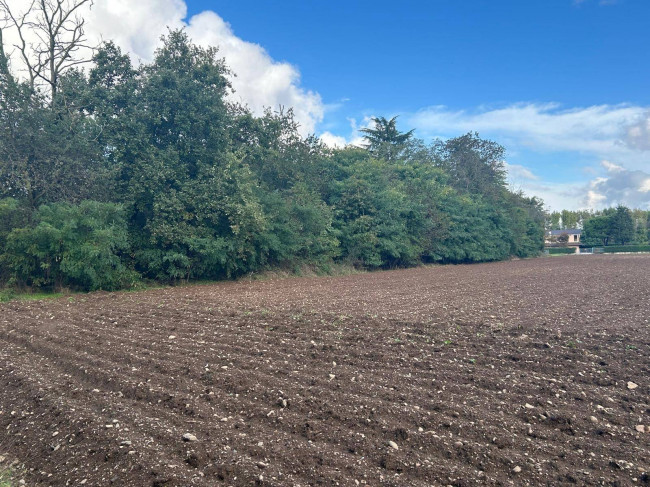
(514, 373)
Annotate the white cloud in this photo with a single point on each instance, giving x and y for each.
(619, 186)
(638, 134)
(602, 132)
(334, 141)
(354, 137)
(135, 26)
(260, 80)
(516, 171)
(595, 200)
(556, 196)
(547, 127)
(610, 166)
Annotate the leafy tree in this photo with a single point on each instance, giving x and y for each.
(621, 225)
(46, 155)
(474, 164)
(597, 230)
(384, 140)
(569, 219)
(553, 221)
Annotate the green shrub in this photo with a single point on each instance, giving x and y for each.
(78, 246)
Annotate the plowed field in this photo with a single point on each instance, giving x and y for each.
(531, 372)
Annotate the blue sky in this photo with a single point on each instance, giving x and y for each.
(471, 60)
(405, 55)
(562, 84)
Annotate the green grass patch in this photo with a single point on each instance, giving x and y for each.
(6, 479)
(7, 295)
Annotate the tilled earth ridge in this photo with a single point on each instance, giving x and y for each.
(530, 372)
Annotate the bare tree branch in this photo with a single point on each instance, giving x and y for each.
(59, 32)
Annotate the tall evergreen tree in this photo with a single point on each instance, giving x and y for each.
(384, 140)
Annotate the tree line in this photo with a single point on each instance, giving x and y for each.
(611, 226)
(119, 172)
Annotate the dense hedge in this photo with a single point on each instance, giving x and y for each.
(561, 250)
(626, 248)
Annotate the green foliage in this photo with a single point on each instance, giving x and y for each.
(613, 226)
(299, 228)
(78, 246)
(626, 248)
(561, 250)
(477, 232)
(150, 171)
(475, 165)
(384, 140)
(622, 225)
(596, 231)
(526, 218)
(47, 154)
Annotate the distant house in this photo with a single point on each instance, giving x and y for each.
(573, 234)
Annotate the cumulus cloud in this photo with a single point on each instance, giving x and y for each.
(334, 141)
(260, 80)
(354, 137)
(619, 186)
(638, 134)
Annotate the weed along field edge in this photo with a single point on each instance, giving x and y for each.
(532, 372)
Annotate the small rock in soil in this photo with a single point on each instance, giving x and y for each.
(189, 437)
(640, 428)
(393, 445)
(517, 469)
(593, 419)
(631, 385)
